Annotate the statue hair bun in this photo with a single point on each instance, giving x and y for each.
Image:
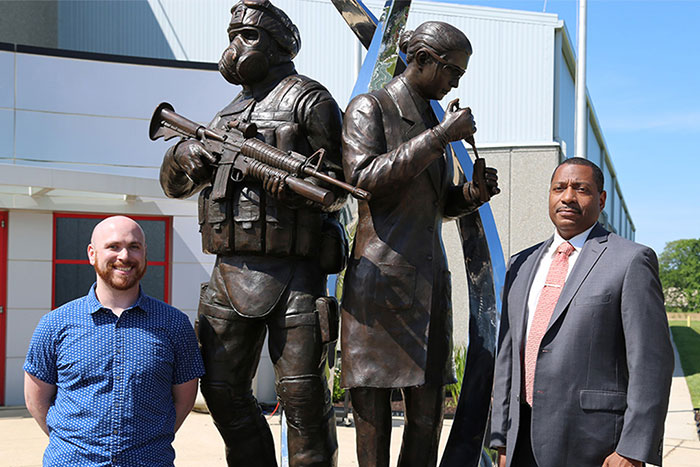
(404, 41)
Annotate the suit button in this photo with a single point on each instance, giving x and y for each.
(435, 203)
(429, 258)
(430, 228)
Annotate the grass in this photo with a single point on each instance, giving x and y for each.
(687, 340)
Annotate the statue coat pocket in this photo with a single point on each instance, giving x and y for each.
(394, 286)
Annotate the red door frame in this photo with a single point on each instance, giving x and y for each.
(3, 301)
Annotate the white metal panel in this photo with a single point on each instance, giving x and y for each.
(510, 81)
(86, 87)
(594, 153)
(566, 109)
(509, 84)
(7, 133)
(7, 77)
(93, 115)
(95, 141)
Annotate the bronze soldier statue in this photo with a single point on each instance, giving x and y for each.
(396, 310)
(273, 248)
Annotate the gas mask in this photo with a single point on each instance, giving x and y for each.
(247, 58)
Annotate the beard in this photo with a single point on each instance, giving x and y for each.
(116, 281)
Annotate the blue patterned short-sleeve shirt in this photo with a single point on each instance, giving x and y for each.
(114, 378)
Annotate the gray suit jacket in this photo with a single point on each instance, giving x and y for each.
(604, 369)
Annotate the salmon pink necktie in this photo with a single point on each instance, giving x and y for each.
(543, 312)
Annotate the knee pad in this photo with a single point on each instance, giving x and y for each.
(305, 399)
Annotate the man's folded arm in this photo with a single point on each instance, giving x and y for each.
(39, 396)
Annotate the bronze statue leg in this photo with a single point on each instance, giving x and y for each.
(299, 359)
(372, 414)
(423, 408)
(231, 348)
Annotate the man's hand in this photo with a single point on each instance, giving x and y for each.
(194, 160)
(39, 396)
(457, 123)
(501, 457)
(471, 190)
(616, 460)
(274, 185)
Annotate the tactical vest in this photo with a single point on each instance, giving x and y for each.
(248, 220)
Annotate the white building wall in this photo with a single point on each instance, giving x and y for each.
(593, 152)
(29, 240)
(566, 101)
(93, 115)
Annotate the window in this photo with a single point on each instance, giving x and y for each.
(72, 272)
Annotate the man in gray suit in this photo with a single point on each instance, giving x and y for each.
(584, 367)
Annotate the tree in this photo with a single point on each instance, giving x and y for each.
(679, 269)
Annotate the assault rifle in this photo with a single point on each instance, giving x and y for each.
(237, 154)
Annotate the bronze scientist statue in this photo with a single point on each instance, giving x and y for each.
(274, 247)
(396, 310)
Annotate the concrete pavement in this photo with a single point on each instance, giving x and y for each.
(197, 444)
(681, 444)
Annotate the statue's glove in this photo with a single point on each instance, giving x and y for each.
(457, 123)
(191, 158)
(275, 186)
(471, 190)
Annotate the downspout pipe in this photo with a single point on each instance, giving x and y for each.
(581, 148)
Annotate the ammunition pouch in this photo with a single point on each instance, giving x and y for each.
(328, 318)
(234, 225)
(215, 223)
(329, 322)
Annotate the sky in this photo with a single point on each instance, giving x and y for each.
(643, 77)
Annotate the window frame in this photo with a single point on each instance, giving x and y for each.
(73, 215)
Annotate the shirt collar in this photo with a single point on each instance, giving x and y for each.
(94, 304)
(576, 241)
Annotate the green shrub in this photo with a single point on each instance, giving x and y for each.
(338, 392)
(460, 359)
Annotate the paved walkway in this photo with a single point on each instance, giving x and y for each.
(197, 444)
(681, 444)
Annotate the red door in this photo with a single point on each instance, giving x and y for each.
(3, 300)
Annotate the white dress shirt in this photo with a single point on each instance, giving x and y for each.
(543, 268)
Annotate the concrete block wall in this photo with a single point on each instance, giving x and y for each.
(521, 209)
(520, 212)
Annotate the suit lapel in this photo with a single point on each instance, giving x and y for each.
(594, 247)
(529, 269)
(412, 123)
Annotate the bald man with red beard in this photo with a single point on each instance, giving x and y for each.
(111, 376)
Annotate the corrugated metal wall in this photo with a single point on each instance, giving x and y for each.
(510, 81)
(111, 27)
(509, 84)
